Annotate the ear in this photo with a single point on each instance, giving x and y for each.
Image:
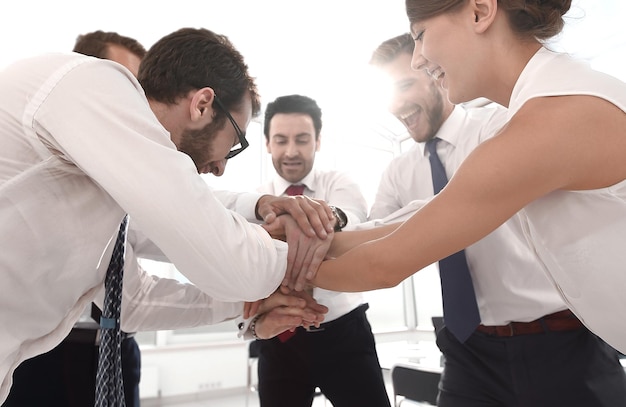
(484, 14)
(267, 145)
(201, 105)
(318, 143)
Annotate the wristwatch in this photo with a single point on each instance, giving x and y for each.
(341, 220)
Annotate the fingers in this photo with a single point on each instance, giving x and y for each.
(298, 247)
(281, 319)
(265, 210)
(318, 309)
(300, 267)
(269, 217)
(292, 253)
(329, 213)
(308, 255)
(270, 325)
(311, 303)
(276, 229)
(282, 297)
(246, 310)
(315, 215)
(318, 255)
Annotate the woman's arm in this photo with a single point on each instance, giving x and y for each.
(545, 147)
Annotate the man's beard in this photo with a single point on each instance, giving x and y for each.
(434, 115)
(198, 144)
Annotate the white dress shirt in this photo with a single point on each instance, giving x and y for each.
(509, 282)
(338, 189)
(579, 237)
(80, 148)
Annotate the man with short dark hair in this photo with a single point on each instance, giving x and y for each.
(340, 355)
(84, 144)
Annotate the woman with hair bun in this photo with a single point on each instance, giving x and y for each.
(557, 169)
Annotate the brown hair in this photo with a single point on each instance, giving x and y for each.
(540, 19)
(293, 104)
(192, 58)
(96, 44)
(389, 50)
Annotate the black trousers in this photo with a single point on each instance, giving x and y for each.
(552, 369)
(341, 360)
(66, 376)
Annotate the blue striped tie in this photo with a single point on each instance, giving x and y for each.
(109, 382)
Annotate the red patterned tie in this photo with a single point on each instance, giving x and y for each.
(295, 190)
(291, 191)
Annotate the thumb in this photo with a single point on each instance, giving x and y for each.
(269, 217)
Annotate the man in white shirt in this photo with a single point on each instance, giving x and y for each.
(82, 145)
(66, 375)
(339, 356)
(529, 349)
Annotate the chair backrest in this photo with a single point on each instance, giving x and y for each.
(437, 323)
(415, 383)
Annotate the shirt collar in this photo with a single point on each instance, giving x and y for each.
(449, 130)
(281, 184)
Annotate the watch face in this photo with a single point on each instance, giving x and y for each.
(340, 218)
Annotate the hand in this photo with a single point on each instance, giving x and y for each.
(284, 297)
(313, 216)
(304, 255)
(273, 321)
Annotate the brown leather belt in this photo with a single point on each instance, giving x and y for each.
(559, 321)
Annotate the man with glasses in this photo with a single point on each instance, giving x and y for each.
(79, 153)
(241, 135)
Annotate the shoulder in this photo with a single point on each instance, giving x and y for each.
(488, 119)
(565, 114)
(408, 159)
(267, 188)
(332, 176)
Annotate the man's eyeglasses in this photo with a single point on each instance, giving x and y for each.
(241, 135)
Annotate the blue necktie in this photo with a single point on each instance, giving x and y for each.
(460, 310)
(109, 384)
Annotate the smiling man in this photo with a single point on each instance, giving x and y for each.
(340, 356)
(516, 354)
(79, 153)
(422, 106)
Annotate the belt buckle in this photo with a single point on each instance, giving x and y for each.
(511, 330)
(313, 328)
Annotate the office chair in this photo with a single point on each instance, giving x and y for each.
(438, 323)
(415, 383)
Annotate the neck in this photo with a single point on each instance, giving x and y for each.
(506, 74)
(447, 110)
(167, 116)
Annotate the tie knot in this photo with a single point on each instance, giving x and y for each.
(294, 190)
(431, 145)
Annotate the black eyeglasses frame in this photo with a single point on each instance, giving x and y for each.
(241, 135)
